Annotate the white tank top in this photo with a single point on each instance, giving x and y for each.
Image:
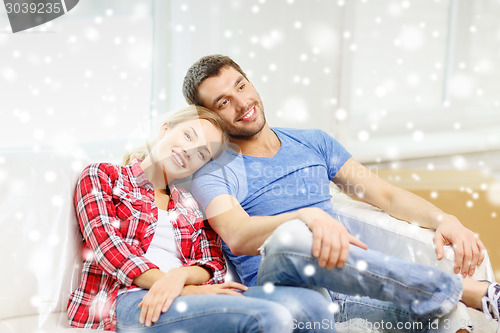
(163, 250)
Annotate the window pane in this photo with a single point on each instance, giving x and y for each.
(81, 80)
(473, 87)
(287, 48)
(398, 61)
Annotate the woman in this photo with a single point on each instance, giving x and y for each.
(150, 261)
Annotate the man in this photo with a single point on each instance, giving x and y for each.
(284, 174)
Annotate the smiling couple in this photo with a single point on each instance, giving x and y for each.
(158, 266)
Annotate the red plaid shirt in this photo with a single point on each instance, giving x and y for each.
(117, 216)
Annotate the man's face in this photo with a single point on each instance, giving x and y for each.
(235, 99)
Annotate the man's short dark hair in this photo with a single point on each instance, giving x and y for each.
(205, 68)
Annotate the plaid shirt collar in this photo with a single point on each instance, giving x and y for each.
(137, 175)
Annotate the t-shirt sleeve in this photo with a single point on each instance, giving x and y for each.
(212, 180)
(335, 154)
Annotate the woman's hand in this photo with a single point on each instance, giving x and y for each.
(161, 295)
(226, 288)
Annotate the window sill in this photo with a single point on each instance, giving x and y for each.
(443, 143)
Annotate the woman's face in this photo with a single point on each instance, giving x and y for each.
(186, 147)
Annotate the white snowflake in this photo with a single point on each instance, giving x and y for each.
(361, 265)
(309, 270)
(268, 287)
(334, 307)
(181, 306)
(50, 176)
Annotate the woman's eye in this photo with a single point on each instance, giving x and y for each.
(188, 136)
(202, 155)
(242, 86)
(224, 102)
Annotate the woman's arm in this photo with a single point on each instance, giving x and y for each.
(200, 244)
(203, 261)
(164, 288)
(100, 226)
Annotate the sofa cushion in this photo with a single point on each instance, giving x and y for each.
(53, 323)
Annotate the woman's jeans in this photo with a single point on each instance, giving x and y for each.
(261, 309)
(414, 289)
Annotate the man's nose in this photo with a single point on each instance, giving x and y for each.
(240, 103)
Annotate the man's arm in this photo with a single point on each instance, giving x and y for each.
(244, 234)
(359, 183)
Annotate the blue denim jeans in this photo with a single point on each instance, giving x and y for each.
(278, 309)
(415, 291)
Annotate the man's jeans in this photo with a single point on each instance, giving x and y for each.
(414, 290)
(259, 310)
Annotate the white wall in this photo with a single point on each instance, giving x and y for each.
(80, 82)
(391, 79)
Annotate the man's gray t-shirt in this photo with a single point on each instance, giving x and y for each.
(298, 176)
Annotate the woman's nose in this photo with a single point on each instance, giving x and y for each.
(187, 153)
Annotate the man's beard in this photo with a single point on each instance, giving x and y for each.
(245, 133)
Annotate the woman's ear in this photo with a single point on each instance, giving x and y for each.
(163, 129)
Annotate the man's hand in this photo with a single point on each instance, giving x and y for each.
(468, 248)
(226, 288)
(330, 238)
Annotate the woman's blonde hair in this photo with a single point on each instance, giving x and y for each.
(190, 112)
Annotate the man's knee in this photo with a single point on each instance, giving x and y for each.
(291, 236)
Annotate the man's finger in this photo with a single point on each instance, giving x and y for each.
(317, 241)
(356, 241)
(438, 244)
(326, 251)
(335, 251)
(344, 253)
(466, 261)
(459, 255)
(476, 253)
(482, 250)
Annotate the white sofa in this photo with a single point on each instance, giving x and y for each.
(40, 243)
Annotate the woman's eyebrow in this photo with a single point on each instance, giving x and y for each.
(194, 131)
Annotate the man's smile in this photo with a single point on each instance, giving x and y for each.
(250, 115)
